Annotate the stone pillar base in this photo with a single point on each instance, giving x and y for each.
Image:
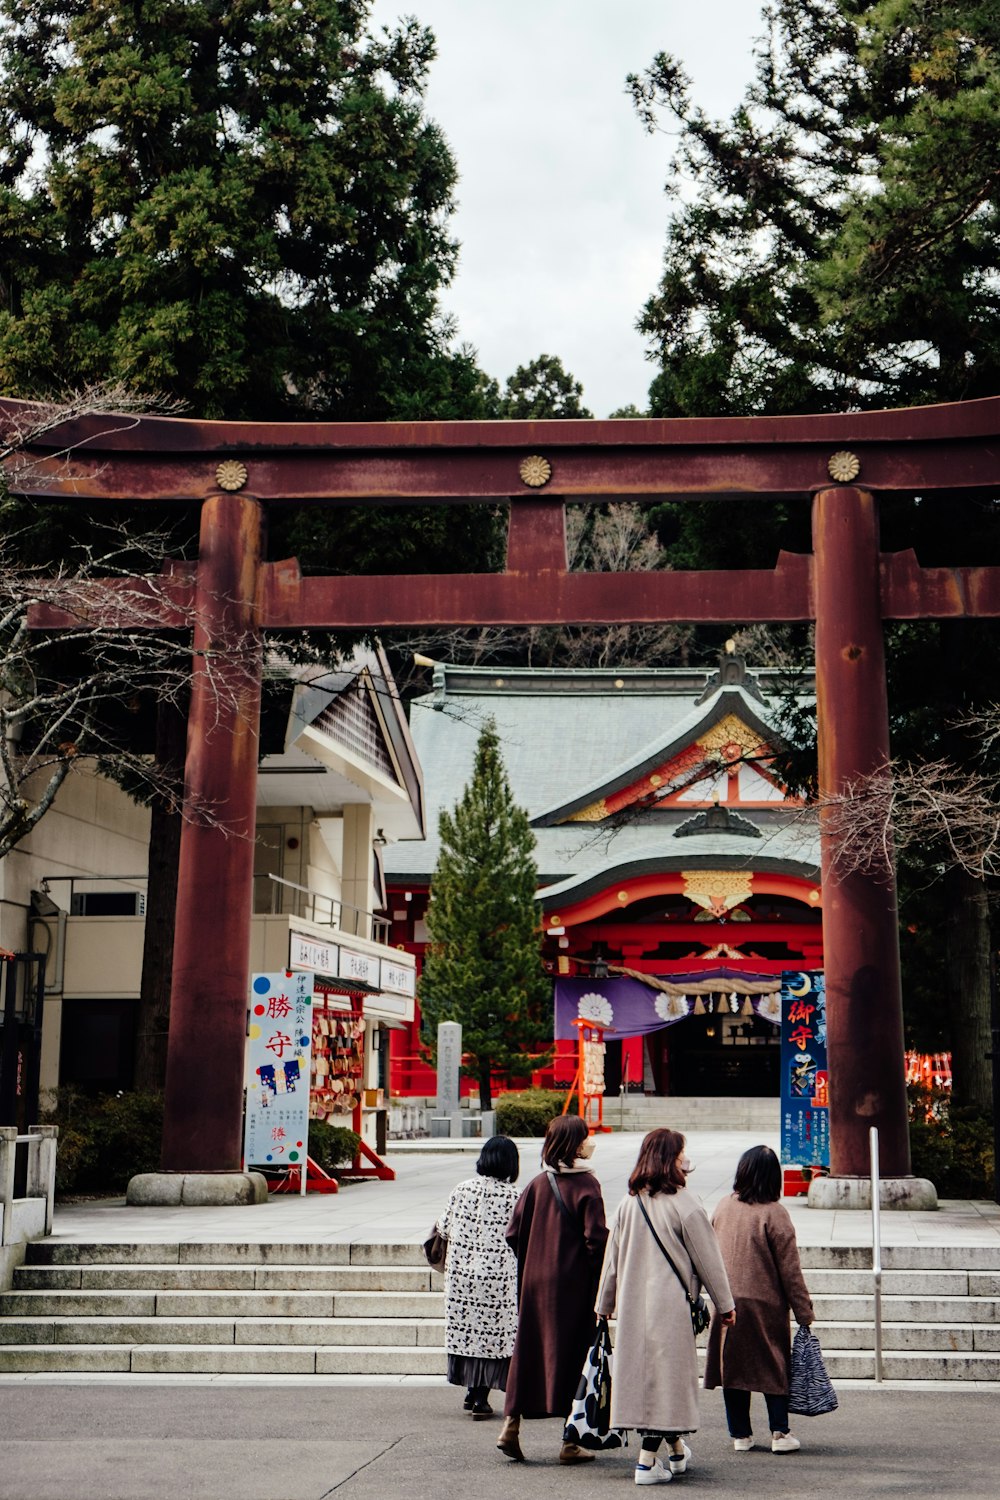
(913, 1194)
(195, 1189)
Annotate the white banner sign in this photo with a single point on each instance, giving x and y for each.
(310, 953)
(279, 1045)
(359, 966)
(397, 979)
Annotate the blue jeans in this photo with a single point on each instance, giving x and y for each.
(738, 1413)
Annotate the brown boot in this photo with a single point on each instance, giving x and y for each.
(572, 1453)
(509, 1441)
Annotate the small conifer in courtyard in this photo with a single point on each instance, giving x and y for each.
(483, 963)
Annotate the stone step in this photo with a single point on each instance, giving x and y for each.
(212, 1359)
(226, 1253)
(223, 1304)
(897, 1283)
(124, 1278)
(831, 1309)
(365, 1359)
(981, 1258)
(934, 1338)
(396, 1332)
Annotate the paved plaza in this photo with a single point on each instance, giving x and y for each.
(216, 1437)
(426, 1172)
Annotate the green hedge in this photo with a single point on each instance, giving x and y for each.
(529, 1112)
(105, 1140)
(332, 1145)
(951, 1146)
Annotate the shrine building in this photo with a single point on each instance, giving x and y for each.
(678, 879)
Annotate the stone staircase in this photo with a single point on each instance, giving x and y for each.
(376, 1309)
(642, 1112)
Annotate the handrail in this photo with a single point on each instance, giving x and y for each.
(337, 907)
(876, 1248)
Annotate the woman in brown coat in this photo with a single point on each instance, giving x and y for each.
(558, 1233)
(758, 1246)
(655, 1389)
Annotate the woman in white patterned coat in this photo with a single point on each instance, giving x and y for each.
(481, 1276)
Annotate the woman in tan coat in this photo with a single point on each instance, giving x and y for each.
(758, 1246)
(655, 1388)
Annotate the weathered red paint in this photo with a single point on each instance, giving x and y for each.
(544, 597)
(860, 931)
(156, 458)
(208, 1002)
(848, 588)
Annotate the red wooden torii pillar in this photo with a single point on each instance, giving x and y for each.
(846, 585)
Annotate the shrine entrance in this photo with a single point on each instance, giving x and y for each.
(846, 585)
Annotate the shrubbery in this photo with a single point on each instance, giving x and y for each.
(332, 1145)
(951, 1146)
(105, 1140)
(529, 1112)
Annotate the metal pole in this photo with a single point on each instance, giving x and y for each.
(876, 1249)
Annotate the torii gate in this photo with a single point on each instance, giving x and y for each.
(847, 586)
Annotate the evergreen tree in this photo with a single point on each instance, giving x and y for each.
(840, 250)
(241, 204)
(483, 963)
(542, 388)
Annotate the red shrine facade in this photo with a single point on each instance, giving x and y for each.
(666, 846)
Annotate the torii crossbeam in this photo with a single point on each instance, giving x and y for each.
(237, 470)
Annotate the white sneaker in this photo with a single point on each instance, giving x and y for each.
(655, 1474)
(743, 1445)
(783, 1442)
(680, 1462)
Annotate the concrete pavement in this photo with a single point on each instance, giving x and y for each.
(426, 1171)
(409, 1443)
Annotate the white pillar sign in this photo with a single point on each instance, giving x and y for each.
(449, 1062)
(278, 1053)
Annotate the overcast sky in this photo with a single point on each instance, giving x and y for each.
(561, 210)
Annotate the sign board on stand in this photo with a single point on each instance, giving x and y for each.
(805, 1097)
(279, 1044)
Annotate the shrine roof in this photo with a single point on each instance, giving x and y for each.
(565, 733)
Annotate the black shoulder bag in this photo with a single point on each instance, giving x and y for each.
(697, 1306)
(562, 1202)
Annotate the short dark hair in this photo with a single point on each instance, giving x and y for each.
(563, 1139)
(658, 1166)
(758, 1176)
(499, 1159)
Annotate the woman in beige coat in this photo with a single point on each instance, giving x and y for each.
(758, 1246)
(655, 1388)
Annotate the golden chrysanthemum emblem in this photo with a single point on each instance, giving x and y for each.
(535, 470)
(231, 474)
(844, 466)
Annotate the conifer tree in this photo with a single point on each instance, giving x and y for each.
(840, 249)
(483, 964)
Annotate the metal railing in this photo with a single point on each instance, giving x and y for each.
(325, 911)
(41, 1174)
(876, 1248)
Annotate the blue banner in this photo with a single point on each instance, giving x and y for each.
(805, 1096)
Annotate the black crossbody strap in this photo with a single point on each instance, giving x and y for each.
(664, 1249)
(561, 1200)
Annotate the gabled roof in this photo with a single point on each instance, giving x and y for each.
(650, 758)
(561, 731)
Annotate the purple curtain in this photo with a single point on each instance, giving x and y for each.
(630, 1008)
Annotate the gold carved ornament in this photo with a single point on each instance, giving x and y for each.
(535, 471)
(717, 890)
(231, 474)
(728, 733)
(843, 466)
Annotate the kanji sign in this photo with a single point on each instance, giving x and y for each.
(805, 1100)
(278, 1047)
